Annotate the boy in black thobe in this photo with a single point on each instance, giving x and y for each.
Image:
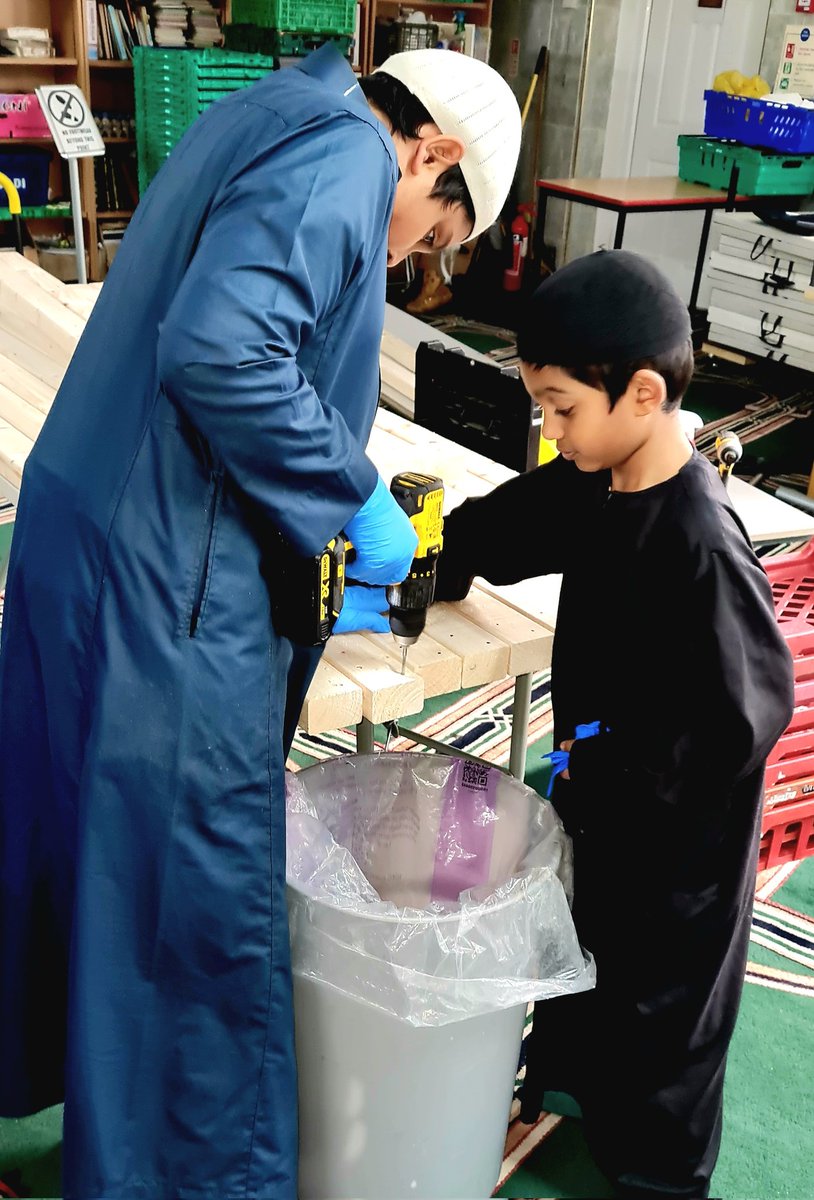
(666, 636)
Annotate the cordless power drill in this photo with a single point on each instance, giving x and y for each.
(422, 498)
(308, 590)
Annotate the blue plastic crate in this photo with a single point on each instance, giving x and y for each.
(765, 123)
(27, 168)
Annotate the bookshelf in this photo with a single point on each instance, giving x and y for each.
(478, 12)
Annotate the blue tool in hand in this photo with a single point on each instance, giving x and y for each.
(559, 758)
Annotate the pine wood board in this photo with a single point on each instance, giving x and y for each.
(537, 598)
(529, 641)
(14, 450)
(26, 310)
(484, 655)
(439, 667)
(31, 359)
(20, 414)
(386, 694)
(333, 701)
(25, 385)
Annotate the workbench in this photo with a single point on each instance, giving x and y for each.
(496, 633)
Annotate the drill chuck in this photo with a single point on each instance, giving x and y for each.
(408, 603)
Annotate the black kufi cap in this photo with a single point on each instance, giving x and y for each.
(609, 307)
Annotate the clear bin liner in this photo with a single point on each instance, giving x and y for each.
(429, 887)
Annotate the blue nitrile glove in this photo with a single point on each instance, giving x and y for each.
(559, 758)
(383, 538)
(362, 609)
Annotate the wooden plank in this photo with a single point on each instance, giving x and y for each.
(81, 298)
(529, 641)
(25, 385)
(398, 377)
(440, 667)
(16, 264)
(31, 359)
(398, 350)
(537, 598)
(485, 656)
(29, 312)
(19, 414)
(386, 695)
(333, 701)
(14, 450)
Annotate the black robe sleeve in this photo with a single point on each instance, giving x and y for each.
(745, 700)
(520, 530)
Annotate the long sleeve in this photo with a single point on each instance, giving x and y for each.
(284, 241)
(522, 529)
(742, 671)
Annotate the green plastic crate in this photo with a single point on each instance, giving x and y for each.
(282, 43)
(297, 16)
(173, 87)
(760, 172)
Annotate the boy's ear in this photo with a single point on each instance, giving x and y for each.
(649, 391)
(439, 152)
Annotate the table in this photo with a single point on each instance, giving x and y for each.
(645, 194)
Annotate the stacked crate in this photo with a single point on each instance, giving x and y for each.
(788, 818)
(759, 281)
(173, 87)
(291, 28)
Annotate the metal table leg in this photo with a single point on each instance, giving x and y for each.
(364, 737)
(699, 262)
(520, 726)
(620, 230)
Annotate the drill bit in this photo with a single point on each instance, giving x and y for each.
(403, 659)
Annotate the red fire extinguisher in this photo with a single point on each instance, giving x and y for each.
(513, 275)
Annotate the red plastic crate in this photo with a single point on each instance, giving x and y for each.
(788, 833)
(792, 759)
(792, 580)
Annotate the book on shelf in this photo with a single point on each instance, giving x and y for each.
(116, 184)
(120, 27)
(204, 28)
(91, 28)
(25, 41)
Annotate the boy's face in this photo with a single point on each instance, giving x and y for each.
(421, 223)
(581, 421)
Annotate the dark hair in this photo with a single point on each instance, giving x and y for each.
(407, 114)
(675, 367)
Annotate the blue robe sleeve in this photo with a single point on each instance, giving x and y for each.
(287, 236)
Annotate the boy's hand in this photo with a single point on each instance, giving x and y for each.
(566, 746)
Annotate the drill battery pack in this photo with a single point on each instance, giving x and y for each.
(307, 591)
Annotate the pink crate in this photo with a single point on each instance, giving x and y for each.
(21, 116)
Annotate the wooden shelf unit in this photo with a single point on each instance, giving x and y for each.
(478, 12)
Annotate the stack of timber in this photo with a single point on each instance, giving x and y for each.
(41, 321)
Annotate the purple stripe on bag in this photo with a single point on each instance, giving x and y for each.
(464, 852)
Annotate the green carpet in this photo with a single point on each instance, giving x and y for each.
(769, 1099)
